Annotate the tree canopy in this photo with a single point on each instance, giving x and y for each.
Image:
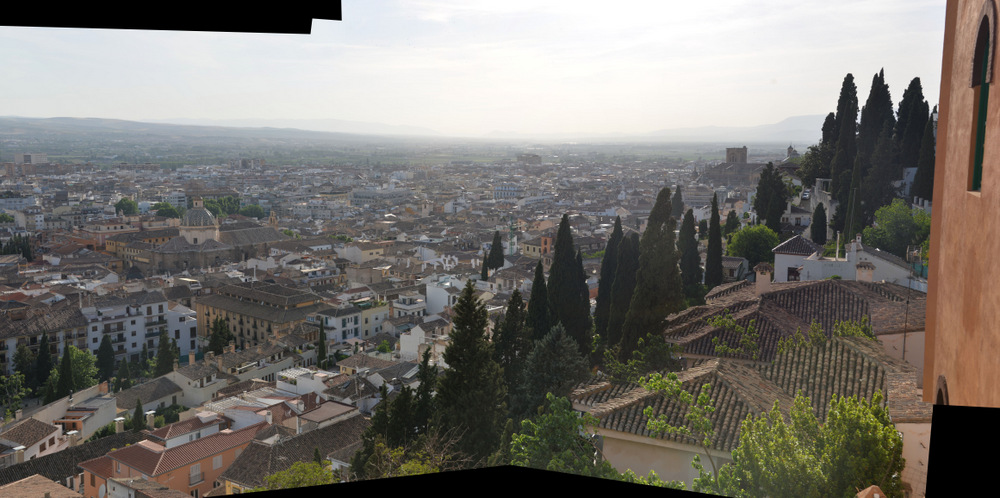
(126, 206)
(754, 243)
(609, 265)
(713, 256)
(897, 226)
(569, 300)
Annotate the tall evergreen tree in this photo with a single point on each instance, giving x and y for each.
(124, 378)
(64, 384)
(485, 271)
(608, 268)
(829, 136)
(321, 346)
(470, 394)
(732, 223)
(427, 374)
(554, 366)
(219, 336)
(847, 108)
(564, 288)
(495, 259)
(24, 363)
(510, 342)
(713, 256)
(164, 356)
(623, 287)
(846, 146)
(43, 361)
(877, 189)
(923, 182)
(913, 115)
(539, 319)
(877, 111)
(687, 244)
(817, 228)
(105, 359)
(401, 430)
(659, 290)
(138, 420)
(677, 204)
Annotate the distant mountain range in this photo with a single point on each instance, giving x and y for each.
(800, 131)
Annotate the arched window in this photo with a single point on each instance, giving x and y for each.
(942, 391)
(982, 70)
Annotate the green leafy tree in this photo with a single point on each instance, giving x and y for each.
(554, 366)
(713, 256)
(24, 363)
(609, 265)
(755, 244)
(252, 211)
(772, 196)
(623, 287)
(6, 218)
(896, 227)
(300, 475)
(817, 229)
(126, 206)
(13, 389)
(878, 189)
(747, 338)
(566, 287)
(384, 347)
(539, 319)
(166, 210)
(82, 372)
(105, 359)
(815, 162)
(470, 394)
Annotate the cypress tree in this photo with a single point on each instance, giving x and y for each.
(623, 287)
(164, 356)
(539, 319)
(608, 268)
(427, 374)
(495, 258)
(829, 136)
(913, 115)
(220, 335)
(64, 383)
(713, 257)
(401, 429)
(845, 147)
(677, 204)
(847, 108)
(124, 377)
(138, 421)
(923, 182)
(877, 111)
(510, 344)
(687, 244)
(471, 394)
(321, 346)
(316, 455)
(659, 290)
(105, 359)
(702, 229)
(817, 229)
(877, 188)
(564, 288)
(485, 273)
(43, 362)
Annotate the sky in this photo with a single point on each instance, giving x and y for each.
(471, 67)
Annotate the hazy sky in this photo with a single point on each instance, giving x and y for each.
(465, 67)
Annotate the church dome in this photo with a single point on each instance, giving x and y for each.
(198, 217)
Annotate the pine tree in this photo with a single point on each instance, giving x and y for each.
(564, 288)
(539, 319)
(608, 269)
(470, 394)
(687, 244)
(923, 182)
(713, 257)
(659, 290)
(623, 287)
(495, 257)
(554, 366)
(817, 229)
(164, 356)
(677, 204)
(105, 359)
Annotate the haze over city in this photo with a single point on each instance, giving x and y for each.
(481, 69)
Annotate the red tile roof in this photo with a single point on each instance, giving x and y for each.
(152, 463)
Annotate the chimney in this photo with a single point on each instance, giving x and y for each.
(151, 419)
(103, 387)
(764, 272)
(177, 364)
(269, 417)
(232, 346)
(119, 425)
(19, 454)
(865, 271)
(18, 414)
(191, 358)
(74, 438)
(260, 349)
